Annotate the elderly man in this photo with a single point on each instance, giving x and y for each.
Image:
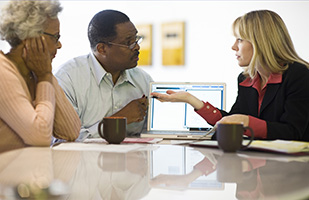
(105, 82)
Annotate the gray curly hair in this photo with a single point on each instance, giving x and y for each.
(21, 19)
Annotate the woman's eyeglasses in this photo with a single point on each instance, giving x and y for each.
(56, 36)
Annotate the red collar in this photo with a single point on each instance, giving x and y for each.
(273, 79)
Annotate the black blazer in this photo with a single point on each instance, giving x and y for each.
(285, 106)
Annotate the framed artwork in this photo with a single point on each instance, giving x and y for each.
(173, 43)
(145, 57)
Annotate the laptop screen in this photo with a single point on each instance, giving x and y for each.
(181, 116)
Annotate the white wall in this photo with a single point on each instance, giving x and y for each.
(208, 44)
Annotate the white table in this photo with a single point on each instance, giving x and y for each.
(128, 171)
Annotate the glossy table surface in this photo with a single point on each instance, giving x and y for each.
(150, 172)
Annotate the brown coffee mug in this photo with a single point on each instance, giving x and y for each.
(114, 129)
(230, 137)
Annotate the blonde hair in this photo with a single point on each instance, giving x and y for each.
(21, 19)
(273, 49)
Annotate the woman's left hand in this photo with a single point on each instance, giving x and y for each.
(236, 118)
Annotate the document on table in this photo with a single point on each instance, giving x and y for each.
(282, 146)
(276, 146)
(117, 148)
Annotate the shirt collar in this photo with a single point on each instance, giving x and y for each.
(126, 77)
(97, 69)
(273, 79)
(99, 72)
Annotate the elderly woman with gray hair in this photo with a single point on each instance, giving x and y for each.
(33, 107)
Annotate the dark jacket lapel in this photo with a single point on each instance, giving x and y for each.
(270, 94)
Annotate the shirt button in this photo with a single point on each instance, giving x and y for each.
(214, 111)
(207, 107)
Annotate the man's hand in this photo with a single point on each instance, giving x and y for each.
(135, 111)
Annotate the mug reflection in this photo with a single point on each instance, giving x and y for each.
(110, 175)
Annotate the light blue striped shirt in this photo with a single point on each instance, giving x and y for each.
(93, 94)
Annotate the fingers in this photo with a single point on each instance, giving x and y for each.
(28, 51)
(136, 110)
(235, 119)
(170, 92)
(154, 95)
(164, 97)
(159, 96)
(39, 43)
(142, 107)
(144, 101)
(24, 54)
(35, 45)
(44, 43)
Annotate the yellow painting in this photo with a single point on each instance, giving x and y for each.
(173, 42)
(145, 57)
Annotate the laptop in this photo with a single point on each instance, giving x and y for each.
(171, 120)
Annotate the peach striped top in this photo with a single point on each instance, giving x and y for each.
(24, 122)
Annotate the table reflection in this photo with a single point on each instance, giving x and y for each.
(36, 173)
(44, 173)
(181, 167)
(274, 179)
(256, 175)
(105, 175)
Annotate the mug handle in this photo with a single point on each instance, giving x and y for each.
(99, 129)
(251, 138)
(100, 158)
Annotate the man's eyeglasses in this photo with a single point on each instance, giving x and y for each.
(56, 36)
(138, 40)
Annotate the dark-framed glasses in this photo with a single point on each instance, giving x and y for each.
(138, 40)
(56, 36)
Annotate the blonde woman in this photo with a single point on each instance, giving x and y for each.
(273, 90)
(33, 107)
